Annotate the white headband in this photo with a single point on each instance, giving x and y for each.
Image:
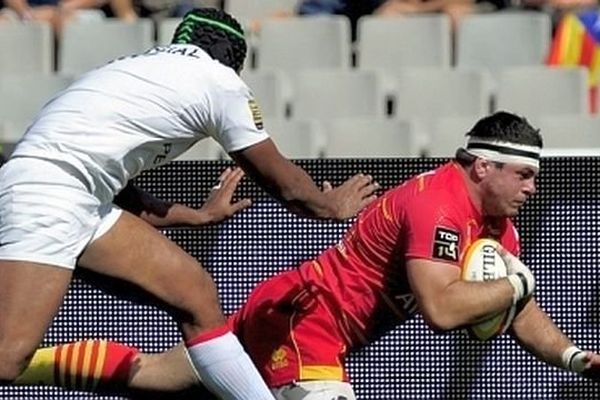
(505, 152)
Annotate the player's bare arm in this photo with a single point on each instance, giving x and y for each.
(447, 302)
(217, 207)
(297, 191)
(536, 332)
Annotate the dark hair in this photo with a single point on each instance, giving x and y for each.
(216, 32)
(503, 126)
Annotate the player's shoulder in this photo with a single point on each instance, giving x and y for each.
(192, 66)
(439, 185)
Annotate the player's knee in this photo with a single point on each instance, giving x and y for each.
(202, 305)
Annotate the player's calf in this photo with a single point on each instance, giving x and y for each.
(88, 365)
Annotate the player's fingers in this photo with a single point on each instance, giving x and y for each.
(222, 177)
(327, 186)
(232, 180)
(369, 189)
(502, 252)
(240, 205)
(225, 173)
(368, 200)
(362, 179)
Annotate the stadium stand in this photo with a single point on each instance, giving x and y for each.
(298, 43)
(570, 134)
(494, 41)
(22, 96)
(89, 45)
(206, 149)
(326, 94)
(537, 91)
(447, 133)
(26, 48)
(272, 89)
(297, 138)
(419, 41)
(369, 137)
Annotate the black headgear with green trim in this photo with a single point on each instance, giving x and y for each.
(216, 32)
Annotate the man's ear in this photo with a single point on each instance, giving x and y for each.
(481, 167)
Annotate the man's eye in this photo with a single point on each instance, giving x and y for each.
(524, 175)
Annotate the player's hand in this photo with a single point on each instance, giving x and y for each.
(351, 196)
(591, 367)
(586, 363)
(219, 205)
(519, 276)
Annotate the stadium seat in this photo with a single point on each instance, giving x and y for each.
(26, 48)
(536, 91)
(165, 28)
(22, 96)
(369, 137)
(493, 41)
(326, 94)
(297, 138)
(304, 42)
(272, 91)
(392, 43)
(257, 9)
(570, 135)
(10, 133)
(207, 149)
(425, 94)
(88, 45)
(448, 134)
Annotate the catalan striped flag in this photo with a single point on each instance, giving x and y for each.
(577, 42)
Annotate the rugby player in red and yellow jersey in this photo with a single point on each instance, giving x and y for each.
(401, 256)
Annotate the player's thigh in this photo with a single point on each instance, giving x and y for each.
(315, 390)
(30, 295)
(135, 251)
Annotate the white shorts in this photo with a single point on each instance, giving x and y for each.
(315, 390)
(47, 214)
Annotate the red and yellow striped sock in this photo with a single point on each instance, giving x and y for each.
(86, 365)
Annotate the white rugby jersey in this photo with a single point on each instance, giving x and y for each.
(141, 111)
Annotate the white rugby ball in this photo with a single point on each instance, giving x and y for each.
(482, 263)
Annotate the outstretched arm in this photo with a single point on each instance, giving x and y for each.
(217, 207)
(537, 333)
(292, 186)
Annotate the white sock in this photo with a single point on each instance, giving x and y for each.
(224, 367)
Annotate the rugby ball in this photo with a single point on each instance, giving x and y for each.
(482, 263)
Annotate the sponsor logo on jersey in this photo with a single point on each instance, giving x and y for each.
(256, 114)
(279, 358)
(445, 244)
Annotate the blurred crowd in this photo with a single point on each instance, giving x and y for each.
(59, 12)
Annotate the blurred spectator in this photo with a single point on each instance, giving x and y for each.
(455, 9)
(158, 9)
(351, 9)
(356, 9)
(559, 8)
(60, 12)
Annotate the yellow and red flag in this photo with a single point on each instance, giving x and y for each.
(576, 42)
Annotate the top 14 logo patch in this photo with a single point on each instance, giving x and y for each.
(256, 114)
(446, 244)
